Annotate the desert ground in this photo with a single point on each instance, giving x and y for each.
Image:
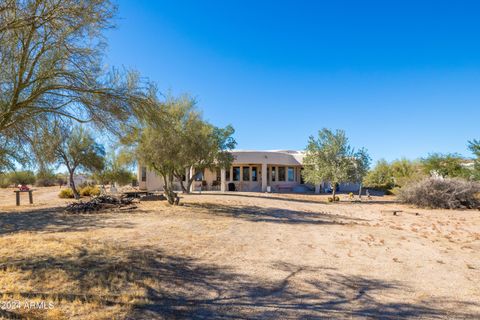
(239, 255)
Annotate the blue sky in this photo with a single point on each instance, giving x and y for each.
(402, 78)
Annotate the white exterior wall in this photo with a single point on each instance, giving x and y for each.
(261, 160)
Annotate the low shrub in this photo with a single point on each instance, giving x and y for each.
(330, 199)
(66, 194)
(90, 191)
(448, 193)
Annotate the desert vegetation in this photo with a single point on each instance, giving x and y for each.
(447, 193)
(233, 255)
(331, 158)
(240, 255)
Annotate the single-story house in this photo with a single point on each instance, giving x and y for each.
(254, 171)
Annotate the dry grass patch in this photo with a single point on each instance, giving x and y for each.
(241, 256)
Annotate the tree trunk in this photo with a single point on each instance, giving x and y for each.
(171, 195)
(334, 191)
(185, 190)
(72, 184)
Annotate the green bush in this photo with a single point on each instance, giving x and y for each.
(90, 191)
(22, 177)
(66, 194)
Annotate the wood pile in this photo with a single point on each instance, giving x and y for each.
(101, 203)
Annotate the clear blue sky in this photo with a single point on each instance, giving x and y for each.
(402, 78)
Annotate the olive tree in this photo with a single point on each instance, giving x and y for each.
(329, 157)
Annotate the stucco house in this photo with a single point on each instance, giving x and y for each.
(251, 171)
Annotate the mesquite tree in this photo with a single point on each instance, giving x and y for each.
(331, 158)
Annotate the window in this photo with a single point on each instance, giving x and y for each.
(144, 174)
(291, 174)
(219, 174)
(273, 174)
(199, 176)
(236, 173)
(254, 174)
(281, 173)
(227, 175)
(246, 173)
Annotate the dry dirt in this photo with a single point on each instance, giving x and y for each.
(239, 255)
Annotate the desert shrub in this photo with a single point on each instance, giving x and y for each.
(386, 176)
(445, 165)
(21, 177)
(448, 193)
(86, 184)
(45, 179)
(330, 199)
(90, 191)
(66, 194)
(380, 177)
(4, 181)
(61, 179)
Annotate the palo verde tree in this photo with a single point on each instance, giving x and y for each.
(204, 146)
(172, 136)
(51, 69)
(113, 171)
(446, 165)
(380, 177)
(75, 148)
(329, 157)
(386, 176)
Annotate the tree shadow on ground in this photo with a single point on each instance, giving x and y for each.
(55, 220)
(181, 287)
(272, 214)
(282, 197)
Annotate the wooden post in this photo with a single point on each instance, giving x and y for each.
(30, 196)
(17, 197)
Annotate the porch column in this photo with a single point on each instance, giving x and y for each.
(222, 180)
(192, 173)
(264, 177)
